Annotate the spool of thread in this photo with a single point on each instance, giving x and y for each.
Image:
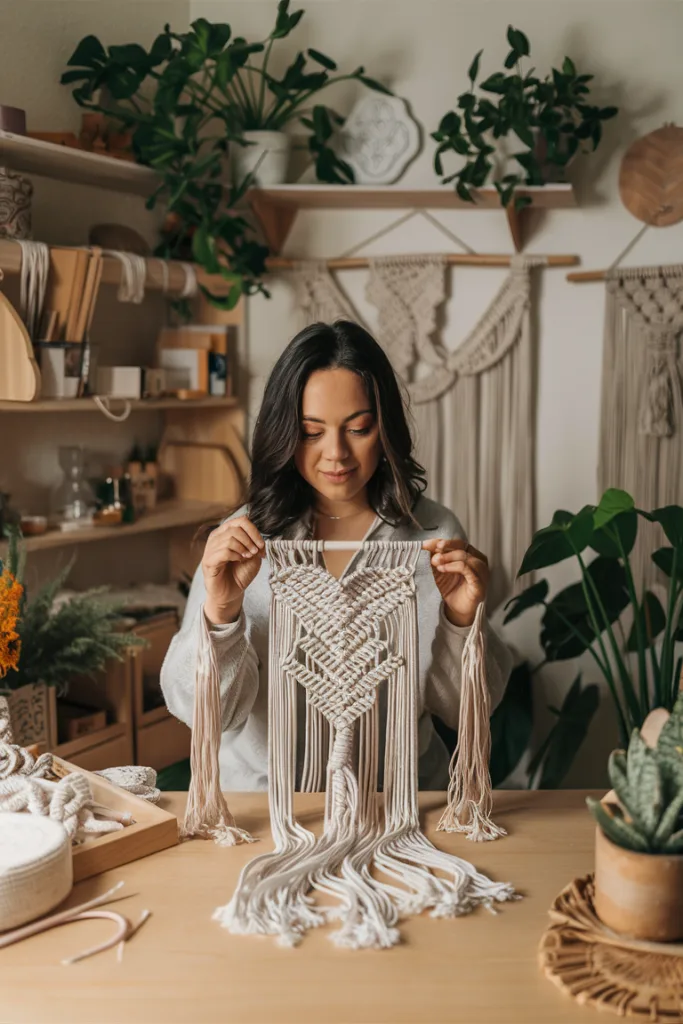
(36, 868)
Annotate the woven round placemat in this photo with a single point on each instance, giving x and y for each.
(611, 972)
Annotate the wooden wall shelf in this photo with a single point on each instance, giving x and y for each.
(63, 163)
(60, 405)
(10, 263)
(168, 515)
(276, 208)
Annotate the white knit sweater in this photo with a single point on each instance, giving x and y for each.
(242, 652)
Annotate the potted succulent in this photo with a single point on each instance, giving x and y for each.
(191, 98)
(44, 642)
(630, 637)
(548, 121)
(639, 839)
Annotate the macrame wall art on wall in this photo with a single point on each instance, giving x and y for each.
(474, 407)
(343, 641)
(641, 419)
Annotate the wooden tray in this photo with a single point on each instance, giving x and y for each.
(154, 829)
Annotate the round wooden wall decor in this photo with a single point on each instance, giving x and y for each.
(651, 177)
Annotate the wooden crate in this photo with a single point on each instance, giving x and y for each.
(160, 739)
(113, 745)
(33, 716)
(154, 828)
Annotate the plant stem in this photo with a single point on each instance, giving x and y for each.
(667, 646)
(247, 102)
(262, 90)
(626, 683)
(630, 583)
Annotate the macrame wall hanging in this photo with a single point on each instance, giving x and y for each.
(641, 420)
(345, 642)
(474, 407)
(641, 415)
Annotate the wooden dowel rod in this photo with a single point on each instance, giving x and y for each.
(462, 259)
(583, 276)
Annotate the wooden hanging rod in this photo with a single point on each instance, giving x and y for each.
(584, 276)
(461, 259)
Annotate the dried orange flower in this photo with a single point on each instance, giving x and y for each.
(11, 592)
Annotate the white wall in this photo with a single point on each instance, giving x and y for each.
(423, 51)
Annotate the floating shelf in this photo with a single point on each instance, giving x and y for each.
(57, 405)
(276, 208)
(10, 263)
(64, 163)
(168, 515)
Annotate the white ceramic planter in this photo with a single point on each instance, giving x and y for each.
(267, 156)
(638, 894)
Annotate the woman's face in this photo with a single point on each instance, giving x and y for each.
(340, 447)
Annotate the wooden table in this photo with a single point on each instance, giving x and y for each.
(183, 968)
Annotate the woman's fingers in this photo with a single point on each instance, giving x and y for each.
(241, 538)
(464, 563)
(230, 547)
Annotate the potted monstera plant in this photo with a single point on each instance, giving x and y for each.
(639, 839)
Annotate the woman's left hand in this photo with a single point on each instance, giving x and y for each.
(462, 575)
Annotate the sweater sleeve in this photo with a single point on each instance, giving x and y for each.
(237, 664)
(442, 696)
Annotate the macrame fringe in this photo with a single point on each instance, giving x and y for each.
(340, 641)
(207, 814)
(470, 800)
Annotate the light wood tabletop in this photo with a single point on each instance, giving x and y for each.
(183, 968)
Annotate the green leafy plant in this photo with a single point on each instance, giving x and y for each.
(185, 101)
(550, 117)
(63, 639)
(512, 725)
(630, 638)
(648, 783)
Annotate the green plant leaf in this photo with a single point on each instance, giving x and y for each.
(664, 560)
(162, 48)
(671, 520)
(372, 83)
(321, 58)
(644, 785)
(652, 621)
(668, 821)
(669, 748)
(623, 527)
(518, 41)
(473, 70)
(511, 724)
(89, 53)
(612, 504)
(558, 541)
(568, 67)
(607, 113)
(674, 844)
(616, 829)
(569, 732)
(495, 83)
(530, 598)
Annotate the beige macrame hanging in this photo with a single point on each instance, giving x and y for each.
(343, 640)
(473, 407)
(641, 420)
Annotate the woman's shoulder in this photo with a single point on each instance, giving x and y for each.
(436, 519)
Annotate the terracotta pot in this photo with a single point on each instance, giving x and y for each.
(638, 894)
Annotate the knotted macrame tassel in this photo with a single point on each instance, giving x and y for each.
(207, 814)
(470, 800)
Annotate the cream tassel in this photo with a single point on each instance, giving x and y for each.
(207, 814)
(470, 800)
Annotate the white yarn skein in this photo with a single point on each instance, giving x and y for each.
(36, 867)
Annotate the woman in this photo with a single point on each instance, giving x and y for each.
(332, 460)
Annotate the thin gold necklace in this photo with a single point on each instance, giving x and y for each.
(352, 516)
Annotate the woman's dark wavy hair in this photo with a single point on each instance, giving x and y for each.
(278, 495)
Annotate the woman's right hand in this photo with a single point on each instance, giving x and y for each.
(231, 561)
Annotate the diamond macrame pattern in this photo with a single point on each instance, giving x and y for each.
(345, 656)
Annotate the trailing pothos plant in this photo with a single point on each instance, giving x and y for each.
(630, 637)
(185, 101)
(552, 119)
